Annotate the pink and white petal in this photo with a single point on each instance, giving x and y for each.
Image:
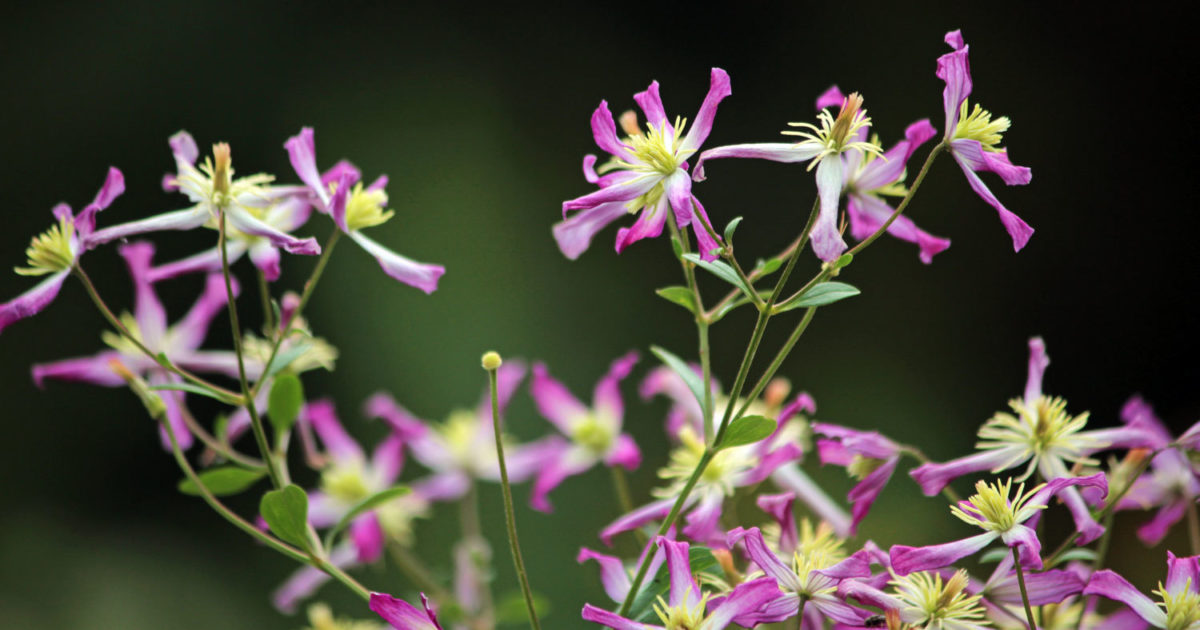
(265, 257)
(1183, 574)
(604, 132)
(242, 220)
(704, 522)
(652, 106)
(826, 240)
(626, 189)
(863, 495)
(907, 560)
(683, 587)
(149, 312)
(933, 477)
(762, 556)
(564, 463)
(443, 486)
(337, 202)
(1046, 587)
(613, 620)
(606, 397)
(718, 89)
(767, 464)
(1124, 619)
(190, 331)
(833, 452)
(624, 453)
(207, 260)
(113, 187)
(526, 460)
(803, 402)
(1038, 362)
(323, 510)
(880, 173)
(856, 566)
(401, 614)
(186, 219)
(320, 414)
(423, 276)
(574, 234)
(554, 401)
(1018, 229)
(1087, 526)
(1028, 547)
(648, 225)
(96, 370)
(980, 160)
(174, 403)
(832, 97)
(32, 301)
(183, 147)
(1153, 531)
(343, 169)
(955, 69)
(613, 575)
(290, 212)
(779, 506)
(367, 535)
(868, 213)
(216, 361)
(640, 516)
(745, 598)
(788, 152)
(302, 152)
(386, 461)
(678, 188)
(589, 169)
(790, 477)
(402, 421)
(1112, 586)
(705, 242)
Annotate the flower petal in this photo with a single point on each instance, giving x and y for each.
(683, 587)
(1018, 229)
(718, 89)
(652, 106)
(574, 234)
(867, 213)
(554, 401)
(790, 477)
(1182, 574)
(606, 397)
(96, 370)
(648, 225)
(367, 535)
(745, 598)
(611, 620)
(762, 556)
(403, 615)
(774, 151)
(625, 453)
(148, 311)
(826, 240)
(955, 69)
(189, 333)
(640, 516)
(933, 477)
(423, 276)
(32, 301)
(186, 219)
(320, 414)
(880, 173)
(832, 97)
(907, 560)
(302, 152)
(613, 575)
(1108, 584)
(242, 220)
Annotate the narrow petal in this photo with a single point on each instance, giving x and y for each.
(718, 89)
(403, 423)
(1017, 229)
(387, 460)
(613, 575)
(933, 477)
(652, 106)
(1029, 548)
(447, 486)
(973, 154)
(183, 147)
(554, 401)
(792, 478)
(955, 69)
(95, 369)
(1108, 584)
(832, 97)
(367, 535)
(265, 257)
(1153, 531)
(762, 556)
(679, 567)
(827, 241)
(1038, 362)
(343, 169)
(606, 397)
(704, 522)
(767, 464)
(423, 276)
(302, 152)
(624, 453)
(189, 333)
(648, 225)
(552, 473)
(148, 311)
(574, 234)
(640, 516)
(207, 260)
(705, 242)
(864, 494)
(626, 189)
(907, 560)
(186, 219)
(779, 506)
(612, 620)
(745, 598)
(401, 614)
(1045, 587)
(789, 152)
(867, 213)
(1182, 574)
(248, 223)
(604, 132)
(678, 187)
(32, 301)
(320, 414)
(880, 173)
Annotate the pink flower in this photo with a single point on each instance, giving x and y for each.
(403, 615)
(1180, 607)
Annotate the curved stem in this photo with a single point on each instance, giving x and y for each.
(1024, 594)
(510, 520)
(215, 445)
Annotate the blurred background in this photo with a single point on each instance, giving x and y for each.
(480, 116)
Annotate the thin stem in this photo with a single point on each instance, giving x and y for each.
(1193, 528)
(689, 273)
(664, 528)
(468, 517)
(510, 520)
(264, 293)
(621, 485)
(903, 203)
(1024, 593)
(215, 445)
(341, 576)
(226, 395)
(260, 436)
(755, 274)
(797, 332)
(921, 457)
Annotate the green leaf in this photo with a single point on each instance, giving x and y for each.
(286, 513)
(222, 481)
(729, 229)
(511, 610)
(701, 560)
(679, 295)
(284, 402)
(820, 295)
(843, 260)
(684, 371)
(285, 357)
(747, 430)
(729, 306)
(369, 503)
(767, 267)
(719, 269)
(1081, 554)
(191, 389)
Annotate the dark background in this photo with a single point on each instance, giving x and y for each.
(480, 117)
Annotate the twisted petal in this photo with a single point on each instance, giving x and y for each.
(189, 333)
(613, 575)
(248, 223)
(640, 516)
(773, 151)
(423, 276)
(113, 187)
(648, 225)
(933, 477)
(832, 97)
(762, 556)
(827, 241)
(629, 186)
(302, 152)
(790, 477)
(868, 213)
(554, 401)
(705, 241)
(565, 462)
(94, 369)
(746, 598)
(187, 219)
(718, 89)
(265, 257)
(955, 69)
(1038, 362)
(779, 506)
(1108, 584)
(907, 560)
(612, 620)
(184, 148)
(880, 173)
(367, 535)
(863, 495)
(574, 234)
(1154, 530)
(32, 301)
(683, 587)
(1017, 229)
(1182, 574)
(148, 311)
(606, 397)
(604, 132)
(652, 106)
(320, 414)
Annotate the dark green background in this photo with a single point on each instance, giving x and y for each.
(480, 117)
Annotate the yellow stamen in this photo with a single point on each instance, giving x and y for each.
(836, 134)
(1182, 608)
(50, 251)
(978, 125)
(364, 208)
(222, 168)
(991, 504)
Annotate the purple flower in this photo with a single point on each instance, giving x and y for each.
(972, 137)
(824, 146)
(595, 432)
(403, 615)
(1180, 607)
(339, 193)
(55, 252)
(1043, 588)
(924, 600)
(1001, 516)
(1043, 434)
(180, 343)
(247, 202)
(614, 575)
(868, 456)
(686, 606)
(647, 173)
(1171, 484)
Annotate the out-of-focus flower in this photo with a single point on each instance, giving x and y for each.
(320, 617)
(403, 615)
(1170, 485)
(924, 600)
(339, 193)
(868, 456)
(647, 173)
(54, 252)
(1180, 597)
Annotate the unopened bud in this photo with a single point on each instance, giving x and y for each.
(222, 170)
(629, 123)
(491, 360)
(777, 391)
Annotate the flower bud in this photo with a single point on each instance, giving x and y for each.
(491, 360)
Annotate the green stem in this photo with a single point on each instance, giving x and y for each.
(1024, 593)
(1193, 528)
(780, 356)
(621, 485)
(689, 273)
(755, 274)
(510, 520)
(264, 293)
(472, 533)
(215, 445)
(903, 203)
(226, 395)
(260, 435)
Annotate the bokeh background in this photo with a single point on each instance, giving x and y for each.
(480, 116)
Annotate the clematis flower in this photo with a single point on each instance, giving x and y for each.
(340, 194)
(647, 173)
(1170, 485)
(972, 137)
(1180, 607)
(615, 576)
(1043, 434)
(54, 252)
(992, 509)
(924, 600)
(686, 607)
(866, 455)
(403, 615)
(212, 190)
(823, 147)
(180, 343)
(1052, 592)
(595, 433)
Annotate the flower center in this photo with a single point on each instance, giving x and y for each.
(991, 509)
(926, 594)
(978, 125)
(861, 466)
(592, 433)
(364, 208)
(1182, 608)
(657, 150)
(51, 251)
(345, 482)
(812, 584)
(1043, 428)
(459, 433)
(682, 616)
(837, 135)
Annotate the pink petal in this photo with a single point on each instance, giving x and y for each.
(624, 453)
(611, 620)
(955, 69)
(574, 234)
(832, 97)
(613, 575)
(320, 414)
(403, 615)
(554, 401)
(187, 219)
(95, 369)
(302, 152)
(789, 152)
(606, 397)
(826, 240)
(648, 225)
(423, 276)
(367, 535)
(652, 106)
(32, 301)
(907, 560)
(718, 89)
(1108, 584)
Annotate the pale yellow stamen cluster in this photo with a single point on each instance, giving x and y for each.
(836, 135)
(938, 602)
(593, 433)
(1043, 428)
(345, 481)
(804, 563)
(991, 509)
(718, 474)
(978, 125)
(820, 540)
(364, 208)
(397, 516)
(314, 352)
(1182, 608)
(684, 616)
(50, 251)
(214, 184)
(120, 342)
(320, 617)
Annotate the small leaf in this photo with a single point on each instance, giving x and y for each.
(511, 608)
(729, 229)
(820, 295)
(719, 269)
(729, 306)
(679, 295)
(1081, 554)
(689, 376)
(284, 402)
(286, 513)
(286, 356)
(367, 504)
(767, 267)
(222, 481)
(747, 430)
(843, 260)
